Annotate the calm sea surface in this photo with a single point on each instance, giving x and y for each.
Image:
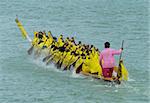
(25, 80)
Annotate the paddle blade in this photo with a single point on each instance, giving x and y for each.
(79, 69)
(119, 72)
(46, 58)
(73, 64)
(30, 50)
(65, 68)
(58, 64)
(124, 72)
(49, 61)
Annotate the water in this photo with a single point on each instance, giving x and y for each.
(24, 80)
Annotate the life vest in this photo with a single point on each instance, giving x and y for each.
(78, 63)
(85, 66)
(67, 58)
(48, 42)
(35, 41)
(50, 35)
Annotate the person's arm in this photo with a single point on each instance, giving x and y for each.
(116, 52)
(100, 59)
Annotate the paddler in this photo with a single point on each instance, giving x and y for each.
(107, 60)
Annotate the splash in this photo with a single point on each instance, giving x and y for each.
(42, 65)
(131, 80)
(75, 75)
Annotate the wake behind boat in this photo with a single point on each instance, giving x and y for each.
(66, 53)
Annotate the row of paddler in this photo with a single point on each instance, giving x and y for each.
(66, 53)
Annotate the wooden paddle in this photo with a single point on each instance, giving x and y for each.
(47, 57)
(73, 64)
(59, 65)
(50, 60)
(65, 68)
(119, 74)
(79, 69)
(30, 50)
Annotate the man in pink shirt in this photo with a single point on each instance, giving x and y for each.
(107, 60)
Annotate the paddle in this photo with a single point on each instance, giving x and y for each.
(50, 60)
(73, 64)
(62, 61)
(119, 74)
(30, 50)
(37, 53)
(58, 63)
(65, 68)
(92, 75)
(47, 57)
(79, 69)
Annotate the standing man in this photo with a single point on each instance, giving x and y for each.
(107, 60)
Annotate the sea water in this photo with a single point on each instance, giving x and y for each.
(26, 80)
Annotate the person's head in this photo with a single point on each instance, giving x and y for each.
(55, 38)
(47, 37)
(79, 42)
(107, 44)
(90, 51)
(40, 36)
(97, 49)
(67, 50)
(87, 52)
(91, 46)
(87, 46)
(72, 52)
(72, 38)
(52, 46)
(71, 46)
(82, 49)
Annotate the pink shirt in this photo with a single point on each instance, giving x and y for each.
(107, 57)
